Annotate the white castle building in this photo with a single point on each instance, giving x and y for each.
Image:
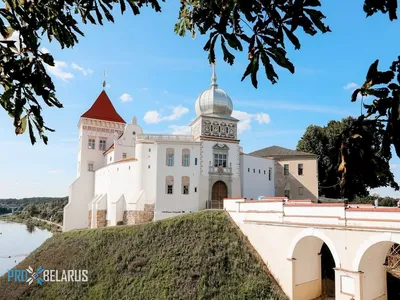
(127, 177)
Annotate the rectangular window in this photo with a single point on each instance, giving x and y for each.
(110, 158)
(170, 160)
(123, 155)
(300, 191)
(91, 167)
(195, 189)
(186, 190)
(220, 160)
(264, 172)
(149, 149)
(91, 144)
(148, 167)
(195, 161)
(248, 169)
(269, 174)
(285, 169)
(300, 169)
(186, 160)
(259, 171)
(169, 189)
(254, 170)
(102, 145)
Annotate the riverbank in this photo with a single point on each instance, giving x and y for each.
(31, 222)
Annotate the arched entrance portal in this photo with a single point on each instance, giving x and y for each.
(219, 192)
(379, 267)
(313, 265)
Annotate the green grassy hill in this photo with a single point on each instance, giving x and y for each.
(196, 256)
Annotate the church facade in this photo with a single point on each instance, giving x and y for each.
(125, 176)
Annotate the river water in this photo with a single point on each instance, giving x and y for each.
(16, 241)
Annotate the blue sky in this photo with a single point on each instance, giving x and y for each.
(159, 76)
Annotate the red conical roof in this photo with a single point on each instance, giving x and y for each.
(102, 109)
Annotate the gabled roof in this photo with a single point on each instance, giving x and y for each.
(280, 152)
(103, 109)
(111, 148)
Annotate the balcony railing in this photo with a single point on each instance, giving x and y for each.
(220, 170)
(165, 137)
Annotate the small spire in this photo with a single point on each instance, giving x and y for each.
(214, 76)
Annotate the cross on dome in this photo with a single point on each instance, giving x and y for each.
(214, 76)
(214, 101)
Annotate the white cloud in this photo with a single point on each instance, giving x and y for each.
(144, 89)
(245, 119)
(45, 50)
(262, 118)
(176, 129)
(154, 117)
(55, 171)
(395, 166)
(126, 97)
(59, 70)
(351, 86)
(165, 92)
(82, 69)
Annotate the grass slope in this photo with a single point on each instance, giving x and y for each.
(196, 256)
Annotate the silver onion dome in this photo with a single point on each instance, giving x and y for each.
(214, 101)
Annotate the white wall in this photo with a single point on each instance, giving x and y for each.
(255, 178)
(81, 192)
(148, 168)
(170, 205)
(116, 180)
(96, 156)
(359, 250)
(127, 142)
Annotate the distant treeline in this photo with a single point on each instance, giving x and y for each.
(41, 207)
(382, 201)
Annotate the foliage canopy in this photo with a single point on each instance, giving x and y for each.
(335, 143)
(264, 28)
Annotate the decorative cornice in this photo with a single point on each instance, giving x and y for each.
(216, 139)
(101, 123)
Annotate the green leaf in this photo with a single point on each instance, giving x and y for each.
(48, 59)
(354, 95)
(228, 57)
(31, 134)
(372, 71)
(293, 39)
(279, 56)
(20, 129)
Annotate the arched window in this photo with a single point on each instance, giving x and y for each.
(169, 185)
(185, 185)
(170, 157)
(186, 157)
